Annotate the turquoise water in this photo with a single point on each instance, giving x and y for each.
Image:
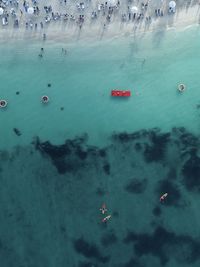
(51, 191)
(82, 80)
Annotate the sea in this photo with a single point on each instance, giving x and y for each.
(62, 161)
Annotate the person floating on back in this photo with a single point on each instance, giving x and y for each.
(106, 218)
(162, 198)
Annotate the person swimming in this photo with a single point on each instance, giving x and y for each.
(17, 131)
(103, 208)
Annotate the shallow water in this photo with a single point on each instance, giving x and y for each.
(125, 152)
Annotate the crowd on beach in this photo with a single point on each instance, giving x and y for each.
(34, 15)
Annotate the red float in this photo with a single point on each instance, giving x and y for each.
(122, 93)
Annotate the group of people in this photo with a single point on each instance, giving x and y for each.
(76, 13)
(107, 217)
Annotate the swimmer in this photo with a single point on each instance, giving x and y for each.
(143, 62)
(106, 218)
(103, 209)
(17, 131)
(162, 198)
(64, 51)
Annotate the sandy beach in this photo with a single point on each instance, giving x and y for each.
(94, 20)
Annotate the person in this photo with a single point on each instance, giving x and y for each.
(162, 198)
(103, 208)
(106, 218)
(143, 62)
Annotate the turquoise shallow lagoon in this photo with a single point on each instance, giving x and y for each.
(151, 66)
(85, 148)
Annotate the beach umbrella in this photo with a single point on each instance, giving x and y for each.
(172, 4)
(30, 10)
(134, 9)
(112, 3)
(1, 11)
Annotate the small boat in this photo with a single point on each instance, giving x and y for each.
(124, 93)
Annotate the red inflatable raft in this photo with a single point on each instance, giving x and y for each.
(120, 93)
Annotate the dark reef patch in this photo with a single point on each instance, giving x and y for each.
(189, 140)
(127, 137)
(191, 173)
(138, 146)
(72, 155)
(156, 150)
(55, 151)
(80, 153)
(157, 211)
(184, 139)
(89, 250)
(157, 243)
(87, 264)
(145, 244)
(108, 239)
(122, 137)
(172, 174)
(75, 154)
(102, 153)
(106, 168)
(178, 130)
(133, 262)
(62, 166)
(136, 186)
